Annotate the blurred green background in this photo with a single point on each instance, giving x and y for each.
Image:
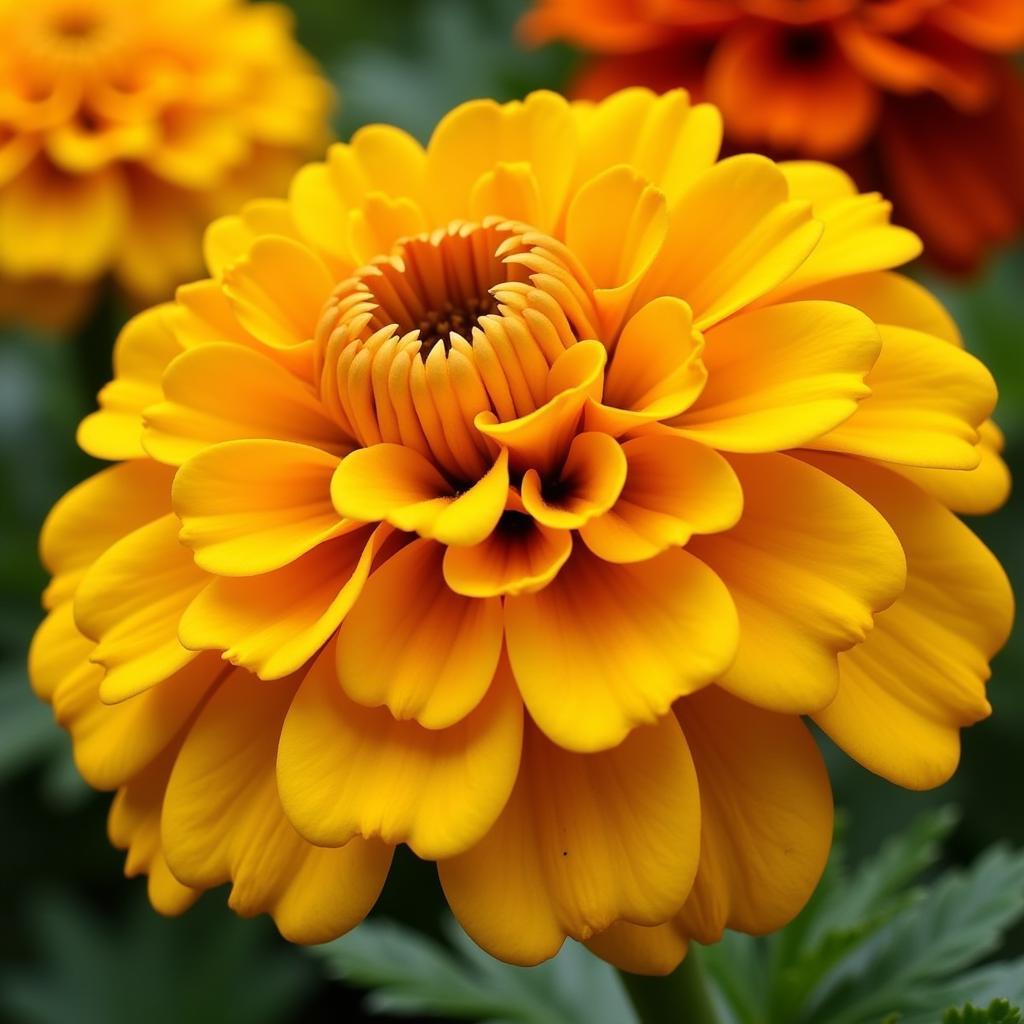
(79, 943)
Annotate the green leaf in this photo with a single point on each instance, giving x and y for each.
(143, 967)
(999, 1011)
(959, 922)
(413, 975)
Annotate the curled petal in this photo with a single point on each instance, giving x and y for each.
(591, 479)
(398, 485)
(674, 489)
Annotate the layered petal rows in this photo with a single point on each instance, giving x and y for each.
(512, 498)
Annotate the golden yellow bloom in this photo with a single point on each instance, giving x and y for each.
(531, 485)
(126, 126)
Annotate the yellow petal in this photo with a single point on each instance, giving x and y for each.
(521, 556)
(43, 209)
(890, 298)
(782, 376)
(222, 821)
(58, 652)
(973, 492)
(223, 392)
(766, 816)
(272, 624)
(278, 291)
(657, 950)
(590, 481)
(96, 513)
(395, 484)
(604, 648)
(247, 507)
(344, 770)
(130, 602)
(808, 565)
(669, 141)
(133, 824)
(920, 675)
(509, 190)
(380, 222)
(674, 489)
(584, 841)
(857, 238)
(733, 237)
(112, 742)
(142, 352)
(478, 136)
(927, 400)
(616, 225)
(414, 645)
(656, 369)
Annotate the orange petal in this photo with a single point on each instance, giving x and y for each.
(584, 841)
(589, 483)
(766, 816)
(344, 770)
(398, 485)
(130, 602)
(223, 822)
(604, 648)
(247, 507)
(274, 623)
(656, 369)
(414, 645)
(808, 565)
(521, 556)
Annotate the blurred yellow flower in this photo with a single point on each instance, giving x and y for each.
(126, 126)
(532, 485)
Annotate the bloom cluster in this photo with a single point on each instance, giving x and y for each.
(126, 126)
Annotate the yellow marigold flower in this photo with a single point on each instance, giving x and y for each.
(511, 499)
(126, 126)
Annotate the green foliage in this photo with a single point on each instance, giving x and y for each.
(999, 1011)
(412, 975)
(132, 969)
(874, 943)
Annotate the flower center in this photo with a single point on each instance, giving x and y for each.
(438, 284)
(463, 320)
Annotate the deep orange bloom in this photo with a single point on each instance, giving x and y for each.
(915, 97)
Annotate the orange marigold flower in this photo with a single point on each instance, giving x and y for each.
(915, 97)
(511, 498)
(127, 125)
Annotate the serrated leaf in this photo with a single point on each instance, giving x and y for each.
(959, 922)
(411, 974)
(999, 1011)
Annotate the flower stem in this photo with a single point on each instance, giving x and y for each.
(681, 997)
